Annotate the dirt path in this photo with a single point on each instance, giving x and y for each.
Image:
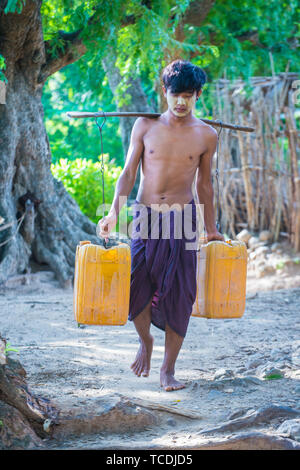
(223, 363)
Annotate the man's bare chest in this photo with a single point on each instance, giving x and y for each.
(173, 144)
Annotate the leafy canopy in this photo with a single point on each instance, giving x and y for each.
(236, 40)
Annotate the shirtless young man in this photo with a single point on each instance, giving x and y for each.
(171, 148)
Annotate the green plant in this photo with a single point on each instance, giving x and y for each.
(13, 6)
(82, 178)
(8, 348)
(273, 377)
(2, 67)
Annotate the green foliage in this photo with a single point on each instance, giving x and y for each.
(139, 47)
(14, 6)
(236, 39)
(79, 138)
(2, 67)
(8, 348)
(139, 50)
(143, 46)
(142, 49)
(82, 179)
(273, 377)
(246, 33)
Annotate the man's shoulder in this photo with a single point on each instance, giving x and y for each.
(144, 123)
(206, 131)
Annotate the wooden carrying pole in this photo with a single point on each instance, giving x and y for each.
(83, 114)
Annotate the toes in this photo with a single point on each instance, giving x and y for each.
(134, 368)
(139, 370)
(135, 363)
(141, 364)
(168, 389)
(172, 387)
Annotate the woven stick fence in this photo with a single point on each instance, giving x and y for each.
(259, 171)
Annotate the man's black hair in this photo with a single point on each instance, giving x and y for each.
(181, 75)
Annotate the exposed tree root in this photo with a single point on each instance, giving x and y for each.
(254, 418)
(243, 441)
(114, 415)
(58, 228)
(252, 441)
(22, 414)
(15, 430)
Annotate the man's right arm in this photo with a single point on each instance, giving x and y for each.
(127, 178)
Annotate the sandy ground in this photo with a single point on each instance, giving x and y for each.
(75, 366)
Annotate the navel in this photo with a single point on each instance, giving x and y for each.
(190, 157)
(151, 151)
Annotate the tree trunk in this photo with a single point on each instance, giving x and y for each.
(52, 226)
(138, 103)
(38, 218)
(23, 415)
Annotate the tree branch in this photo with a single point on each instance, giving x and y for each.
(197, 11)
(73, 50)
(74, 47)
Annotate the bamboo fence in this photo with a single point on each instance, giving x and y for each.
(259, 171)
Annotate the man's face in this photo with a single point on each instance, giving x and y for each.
(183, 103)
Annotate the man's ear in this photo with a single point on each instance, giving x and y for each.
(198, 94)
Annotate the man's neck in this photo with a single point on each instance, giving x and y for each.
(178, 121)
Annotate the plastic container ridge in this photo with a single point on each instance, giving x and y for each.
(221, 280)
(101, 284)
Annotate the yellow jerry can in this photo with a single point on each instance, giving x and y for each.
(101, 284)
(221, 280)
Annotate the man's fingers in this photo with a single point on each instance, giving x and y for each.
(104, 233)
(105, 226)
(103, 230)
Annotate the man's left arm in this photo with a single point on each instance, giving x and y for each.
(204, 186)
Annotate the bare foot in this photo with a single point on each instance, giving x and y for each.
(169, 383)
(141, 365)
